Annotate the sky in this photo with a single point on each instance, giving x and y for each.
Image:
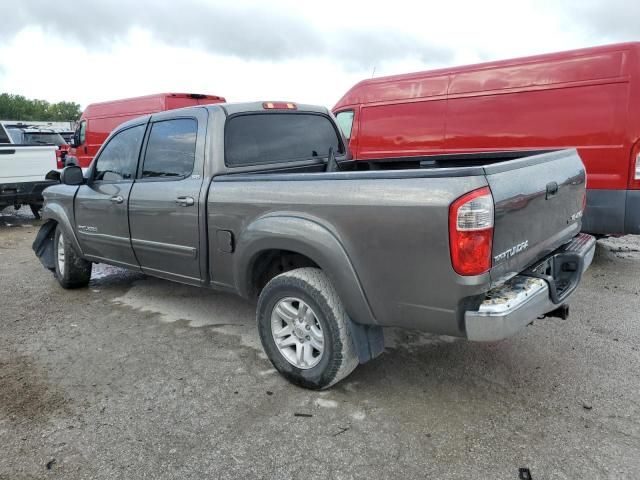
(310, 52)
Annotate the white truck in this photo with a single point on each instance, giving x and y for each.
(23, 169)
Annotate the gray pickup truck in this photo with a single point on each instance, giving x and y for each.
(260, 199)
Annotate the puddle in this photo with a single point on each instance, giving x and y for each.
(198, 306)
(173, 302)
(103, 274)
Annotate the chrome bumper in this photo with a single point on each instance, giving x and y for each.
(512, 306)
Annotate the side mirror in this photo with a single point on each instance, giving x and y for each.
(72, 175)
(72, 142)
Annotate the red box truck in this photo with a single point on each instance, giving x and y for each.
(99, 119)
(587, 99)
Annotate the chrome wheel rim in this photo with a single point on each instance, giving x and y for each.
(61, 254)
(297, 333)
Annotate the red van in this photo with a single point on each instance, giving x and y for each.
(587, 99)
(99, 119)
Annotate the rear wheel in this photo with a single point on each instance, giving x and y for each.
(71, 270)
(304, 329)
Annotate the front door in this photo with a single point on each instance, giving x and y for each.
(164, 206)
(101, 204)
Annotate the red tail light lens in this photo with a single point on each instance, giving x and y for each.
(59, 162)
(471, 232)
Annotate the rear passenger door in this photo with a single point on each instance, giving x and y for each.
(164, 205)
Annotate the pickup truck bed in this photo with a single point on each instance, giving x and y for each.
(407, 277)
(475, 251)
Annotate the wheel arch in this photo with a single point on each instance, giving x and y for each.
(55, 214)
(312, 244)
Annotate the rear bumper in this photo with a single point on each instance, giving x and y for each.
(511, 307)
(23, 193)
(612, 212)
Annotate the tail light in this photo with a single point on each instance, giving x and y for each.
(59, 159)
(471, 232)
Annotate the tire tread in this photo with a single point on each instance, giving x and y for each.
(313, 279)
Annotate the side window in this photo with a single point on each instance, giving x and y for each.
(171, 149)
(345, 122)
(119, 158)
(82, 134)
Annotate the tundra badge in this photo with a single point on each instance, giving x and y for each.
(512, 251)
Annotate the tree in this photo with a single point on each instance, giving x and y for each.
(18, 107)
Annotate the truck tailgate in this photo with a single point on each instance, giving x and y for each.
(538, 207)
(21, 163)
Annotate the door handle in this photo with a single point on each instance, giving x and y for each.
(117, 199)
(185, 201)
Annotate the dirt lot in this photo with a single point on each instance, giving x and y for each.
(135, 377)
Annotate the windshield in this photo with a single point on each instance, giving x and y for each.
(44, 138)
(345, 122)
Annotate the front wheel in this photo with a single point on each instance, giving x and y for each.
(304, 329)
(71, 270)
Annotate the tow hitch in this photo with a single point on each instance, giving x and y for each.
(561, 312)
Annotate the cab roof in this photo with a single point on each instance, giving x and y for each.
(233, 109)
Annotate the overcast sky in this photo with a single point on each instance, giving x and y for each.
(95, 50)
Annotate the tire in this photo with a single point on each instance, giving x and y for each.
(282, 305)
(35, 209)
(71, 270)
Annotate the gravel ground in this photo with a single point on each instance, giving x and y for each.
(136, 377)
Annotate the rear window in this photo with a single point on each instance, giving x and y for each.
(278, 137)
(42, 138)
